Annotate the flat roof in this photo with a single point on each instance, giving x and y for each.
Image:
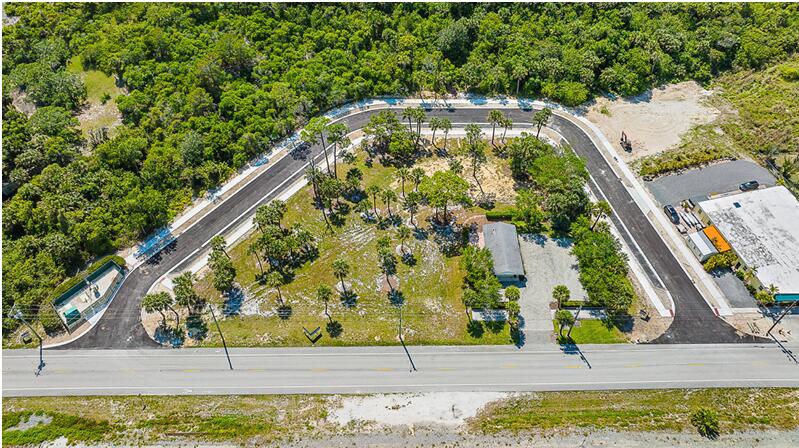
(503, 243)
(702, 243)
(763, 228)
(713, 235)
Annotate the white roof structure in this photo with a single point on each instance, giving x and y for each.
(702, 245)
(762, 226)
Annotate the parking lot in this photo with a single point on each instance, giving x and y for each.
(719, 178)
(548, 263)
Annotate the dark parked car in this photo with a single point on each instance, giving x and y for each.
(672, 214)
(747, 186)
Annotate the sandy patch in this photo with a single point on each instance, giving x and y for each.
(495, 178)
(438, 408)
(655, 121)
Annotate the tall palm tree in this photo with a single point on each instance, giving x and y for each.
(255, 249)
(417, 174)
(274, 280)
(599, 210)
(373, 191)
(435, 124)
(218, 244)
(152, 303)
(495, 117)
(411, 204)
(446, 126)
(338, 137)
(507, 123)
(403, 174)
(388, 197)
(341, 270)
(403, 233)
(323, 293)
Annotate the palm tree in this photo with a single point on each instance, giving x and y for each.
(561, 294)
(411, 204)
(564, 318)
(446, 126)
(313, 175)
(374, 191)
(255, 249)
(218, 244)
(599, 210)
(417, 174)
(507, 123)
(495, 117)
(403, 174)
(152, 303)
(435, 124)
(338, 136)
(409, 114)
(541, 118)
(323, 293)
(403, 233)
(274, 280)
(340, 270)
(388, 196)
(184, 290)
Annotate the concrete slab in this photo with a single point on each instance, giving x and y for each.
(713, 179)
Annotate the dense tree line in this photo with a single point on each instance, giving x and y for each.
(209, 86)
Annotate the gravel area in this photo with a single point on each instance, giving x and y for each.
(713, 179)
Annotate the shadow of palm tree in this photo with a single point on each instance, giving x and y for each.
(475, 329)
(334, 329)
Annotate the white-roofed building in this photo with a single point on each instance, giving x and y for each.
(762, 226)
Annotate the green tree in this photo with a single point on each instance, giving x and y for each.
(444, 188)
(323, 293)
(185, 295)
(341, 269)
(512, 293)
(388, 196)
(374, 191)
(495, 117)
(275, 280)
(561, 294)
(540, 119)
(564, 318)
(599, 210)
(159, 302)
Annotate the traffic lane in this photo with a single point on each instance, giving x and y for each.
(386, 370)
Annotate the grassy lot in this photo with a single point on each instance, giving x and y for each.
(101, 90)
(258, 420)
(140, 420)
(433, 312)
(593, 332)
(642, 410)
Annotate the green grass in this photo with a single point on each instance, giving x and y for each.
(74, 428)
(592, 331)
(642, 410)
(701, 145)
(98, 85)
(144, 420)
(433, 312)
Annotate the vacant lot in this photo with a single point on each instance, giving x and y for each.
(101, 90)
(433, 419)
(432, 311)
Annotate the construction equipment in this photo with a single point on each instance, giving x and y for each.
(625, 142)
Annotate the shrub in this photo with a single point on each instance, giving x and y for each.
(764, 297)
(50, 320)
(501, 215)
(719, 261)
(789, 72)
(512, 293)
(706, 422)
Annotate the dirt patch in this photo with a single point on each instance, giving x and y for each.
(20, 101)
(439, 408)
(656, 120)
(494, 176)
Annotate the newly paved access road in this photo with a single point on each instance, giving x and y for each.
(120, 326)
(386, 369)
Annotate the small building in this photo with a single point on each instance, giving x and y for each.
(701, 246)
(502, 241)
(89, 295)
(762, 226)
(718, 241)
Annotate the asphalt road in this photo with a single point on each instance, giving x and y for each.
(386, 369)
(120, 327)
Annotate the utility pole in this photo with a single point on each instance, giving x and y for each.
(230, 364)
(399, 329)
(19, 316)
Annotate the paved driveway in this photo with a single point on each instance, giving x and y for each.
(719, 178)
(548, 263)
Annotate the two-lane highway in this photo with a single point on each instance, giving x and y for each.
(386, 369)
(120, 326)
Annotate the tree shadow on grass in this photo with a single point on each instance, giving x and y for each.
(396, 297)
(284, 311)
(348, 298)
(475, 329)
(197, 327)
(334, 329)
(173, 337)
(234, 298)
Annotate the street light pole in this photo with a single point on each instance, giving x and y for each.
(230, 364)
(19, 316)
(402, 341)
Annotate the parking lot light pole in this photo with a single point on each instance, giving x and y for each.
(18, 315)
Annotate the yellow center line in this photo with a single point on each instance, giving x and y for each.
(384, 369)
(695, 364)
(574, 366)
(319, 369)
(189, 370)
(632, 366)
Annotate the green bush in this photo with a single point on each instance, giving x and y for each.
(678, 160)
(50, 320)
(706, 422)
(789, 72)
(719, 261)
(501, 215)
(75, 429)
(512, 293)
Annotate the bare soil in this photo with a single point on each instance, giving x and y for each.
(656, 120)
